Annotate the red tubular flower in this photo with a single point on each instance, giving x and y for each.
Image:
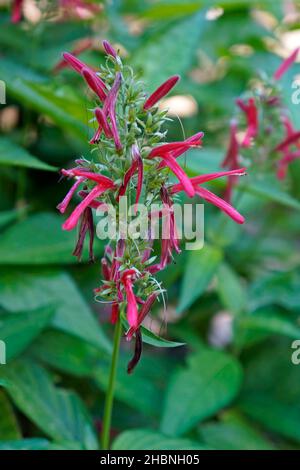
(132, 310)
(17, 11)
(193, 141)
(284, 162)
(109, 49)
(109, 109)
(94, 82)
(86, 174)
(103, 124)
(286, 64)
(212, 198)
(86, 225)
(251, 114)
(291, 139)
(72, 221)
(142, 314)
(137, 165)
(161, 91)
(137, 352)
(231, 160)
(169, 152)
(66, 201)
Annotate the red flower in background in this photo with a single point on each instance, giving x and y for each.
(231, 160)
(250, 110)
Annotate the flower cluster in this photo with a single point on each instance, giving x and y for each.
(263, 121)
(131, 159)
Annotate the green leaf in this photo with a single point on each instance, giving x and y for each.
(151, 338)
(9, 428)
(39, 239)
(66, 353)
(18, 330)
(233, 436)
(200, 269)
(61, 104)
(268, 321)
(12, 154)
(144, 439)
(25, 444)
(58, 413)
(210, 382)
(269, 189)
(230, 289)
(32, 289)
(6, 217)
(158, 341)
(280, 288)
(277, 417)
(178, 43)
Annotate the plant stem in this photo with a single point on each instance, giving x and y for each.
(105, 435)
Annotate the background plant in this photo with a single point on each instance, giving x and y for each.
(240, 293)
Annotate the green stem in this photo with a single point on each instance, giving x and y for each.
(105, 435)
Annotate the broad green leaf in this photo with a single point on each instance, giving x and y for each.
(25, 444)
(11, 154)
(158, 341)
(144, 380)
(153, 339)
(200, 268)
(39, 239)
(210, 382)
(58, 413)
(19, 329)
(230, 289)
(177, 42)
(270, 394)
(267, 321)
(233, 436)
(6, 217)
(144, 439)
(269, 189)
(281, 418)
(66, 353)
(78, 358)
(279, 288)
(9, 428)
(32, 289)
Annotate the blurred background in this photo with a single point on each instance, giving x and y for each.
(235, 304)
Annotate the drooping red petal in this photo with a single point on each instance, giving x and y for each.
(231, 157)
(72, 221)
(208, 177)
(109, 109)
(62, 206)
(132, 310)
(101, 179)
(94, 82)
(292, 139)
(142, 314)
(161, 91)
(137, 352)
(101, 118)
(179, 172)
